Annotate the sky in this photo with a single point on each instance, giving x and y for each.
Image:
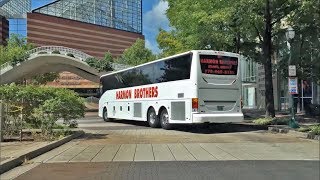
(153, 18)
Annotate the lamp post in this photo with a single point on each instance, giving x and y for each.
(290, 35)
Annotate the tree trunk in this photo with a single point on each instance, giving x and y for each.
(267, 50)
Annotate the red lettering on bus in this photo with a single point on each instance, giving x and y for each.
(148, 92)
(156, 91)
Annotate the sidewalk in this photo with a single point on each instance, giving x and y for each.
(13, 154)
(11, 150)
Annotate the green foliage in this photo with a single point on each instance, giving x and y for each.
(55, 52)
(263, 121)
(304, 129)
(315, 129)
(108, 57)
(305, 47)
(169, 43)
(43, 106)
(136, 54)
(15, 51)
(44, 78)
(42, 52)
(99, 64)
(271, 121)
(70, 55)
(252, 28)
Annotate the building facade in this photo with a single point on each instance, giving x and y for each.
(253, 89)
(4, 30)
(91, 26)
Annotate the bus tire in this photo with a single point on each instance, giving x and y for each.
(164, 119)
(105, 115)
(152, 118)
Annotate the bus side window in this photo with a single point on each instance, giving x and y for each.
(128, 108)
(120, 108)
(114, 108)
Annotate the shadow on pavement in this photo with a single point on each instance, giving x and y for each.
(207, 128)
(214, 128)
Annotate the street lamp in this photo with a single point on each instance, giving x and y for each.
(290, 35)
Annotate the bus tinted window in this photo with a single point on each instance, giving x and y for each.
(173, 69)
(162, 71)
(219, 65)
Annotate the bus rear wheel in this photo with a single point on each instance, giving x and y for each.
(152, 118)
(105, 115)
(164, 120)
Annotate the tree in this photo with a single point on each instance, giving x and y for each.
(136, 54)
(306, 44)
(100, 64)
(169, 43)
(247, 27)
(15, 50)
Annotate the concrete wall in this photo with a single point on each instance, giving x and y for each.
(4, 30)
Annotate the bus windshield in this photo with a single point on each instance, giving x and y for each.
(219, 65)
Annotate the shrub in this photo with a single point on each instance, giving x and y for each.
(263, 121)
(304, 129)
(55, 52)
(59, 126)
(70, 55)
(315, 129)
(271, 121)
(43, 106)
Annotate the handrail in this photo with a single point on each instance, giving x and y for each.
(63, 50)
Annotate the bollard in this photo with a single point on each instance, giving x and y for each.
(1, 121)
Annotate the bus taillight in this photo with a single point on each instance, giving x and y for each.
(195, 104)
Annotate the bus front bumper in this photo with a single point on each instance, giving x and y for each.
(217, 118)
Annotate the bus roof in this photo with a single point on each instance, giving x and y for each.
(177, 55)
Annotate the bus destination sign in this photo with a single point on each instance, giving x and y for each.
(219, 65)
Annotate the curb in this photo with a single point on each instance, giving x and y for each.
(293, 132)
(12, 163)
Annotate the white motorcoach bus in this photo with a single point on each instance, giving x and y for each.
(194, 87)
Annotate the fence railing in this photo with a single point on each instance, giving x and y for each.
(62, 50)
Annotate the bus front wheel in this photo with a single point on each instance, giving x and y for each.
(105, 115)
(164, 120)
(152, 118)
